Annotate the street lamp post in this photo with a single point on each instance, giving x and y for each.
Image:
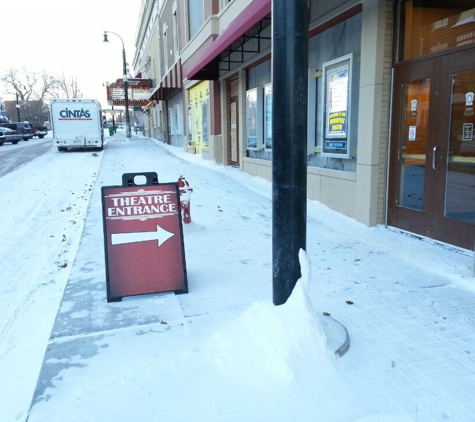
(17, 107)
(113, 112)
(126, 84)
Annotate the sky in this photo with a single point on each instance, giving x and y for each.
(221, 352)
(62, 36)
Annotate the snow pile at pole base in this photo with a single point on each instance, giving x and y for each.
(274, 345)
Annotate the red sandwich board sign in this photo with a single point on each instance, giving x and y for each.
(143, 238)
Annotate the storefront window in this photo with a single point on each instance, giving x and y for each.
(176, 119)
(268, 115)
(251, 113)
(204, 120)
(170, 121)
(259, 111)
(198, 115)
(333, 97)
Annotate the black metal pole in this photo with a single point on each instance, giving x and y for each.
(126, 94)
(289, 142)
(17, 108)
(126, 84)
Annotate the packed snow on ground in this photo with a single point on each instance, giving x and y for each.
(44, 204)
(274, 360)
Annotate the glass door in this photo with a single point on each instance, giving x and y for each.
(432, 155)
(412, 143)
(460, 180)
(233, 140)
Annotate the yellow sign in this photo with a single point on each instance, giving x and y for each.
(198, 115)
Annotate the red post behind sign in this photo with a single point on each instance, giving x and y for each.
(143, 240)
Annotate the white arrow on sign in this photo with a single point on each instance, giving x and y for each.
(161, 235)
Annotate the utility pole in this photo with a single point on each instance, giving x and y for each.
(17, 108)
(126, 83)
(289, 142)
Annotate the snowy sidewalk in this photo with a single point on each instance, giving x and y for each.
(222, 352)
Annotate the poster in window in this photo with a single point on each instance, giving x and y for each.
(268, 115)
(251, 113)
(337, 100)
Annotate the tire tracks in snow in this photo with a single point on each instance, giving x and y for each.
(45, 203)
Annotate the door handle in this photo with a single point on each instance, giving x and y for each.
(434, 156)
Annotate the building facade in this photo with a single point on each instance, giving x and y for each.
(376, 69)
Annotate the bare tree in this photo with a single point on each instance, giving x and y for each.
(21, 84)
(66, 87)
(33, 89)
(34, 86)
(47, 85)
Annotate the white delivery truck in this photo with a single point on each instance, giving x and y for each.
(76, 123)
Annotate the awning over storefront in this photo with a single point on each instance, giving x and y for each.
(169, 85)
(208, 66)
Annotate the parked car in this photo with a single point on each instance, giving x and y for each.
(9, 135)
(22, 127)
(40, 131)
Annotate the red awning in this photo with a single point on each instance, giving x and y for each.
(169, 85)
(207, 66)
